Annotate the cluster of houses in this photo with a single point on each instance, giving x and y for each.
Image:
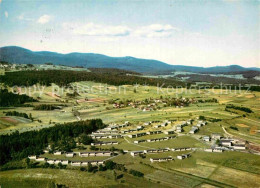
(195, 129)
(224, 143)
(164, 124)
(179, 128)
(150, 104)
(154, 139)
(233, 144)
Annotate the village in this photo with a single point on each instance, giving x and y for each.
(115, 134)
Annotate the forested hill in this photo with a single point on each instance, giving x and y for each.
(65, 77)
(14, 54)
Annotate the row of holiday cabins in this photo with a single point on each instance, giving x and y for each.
(66, 162)
(154, 139)
(83, 154)
(151, 151)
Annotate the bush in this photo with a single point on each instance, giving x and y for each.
(136, 173)
(234, 128)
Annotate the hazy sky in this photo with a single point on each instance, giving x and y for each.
(197, 33)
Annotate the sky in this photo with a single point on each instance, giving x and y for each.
(189, 32)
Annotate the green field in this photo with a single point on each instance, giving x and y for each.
(200, 170)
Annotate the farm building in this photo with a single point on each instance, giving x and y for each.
(165, 159)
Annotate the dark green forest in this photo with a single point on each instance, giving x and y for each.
(64, 77)
(11, 99)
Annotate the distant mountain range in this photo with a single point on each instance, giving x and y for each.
(14, 54)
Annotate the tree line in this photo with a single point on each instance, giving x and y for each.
(64, 77)
(10, 99)
(19, 114)
(241, 108)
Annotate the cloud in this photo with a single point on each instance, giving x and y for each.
(155, 30)
(21, 17)
(6, 14)
(149, 31)
(91, 29)
(44, 19)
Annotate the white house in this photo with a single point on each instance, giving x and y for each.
(70, 154)
(33, 157)
(50, 161)
(161, 159)
(239, 147)
(64, 162)
(183, 156)
(40, 159)
(57, 153)
(75, 163)
(206, 138)
(135, 153)
(193, 130)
